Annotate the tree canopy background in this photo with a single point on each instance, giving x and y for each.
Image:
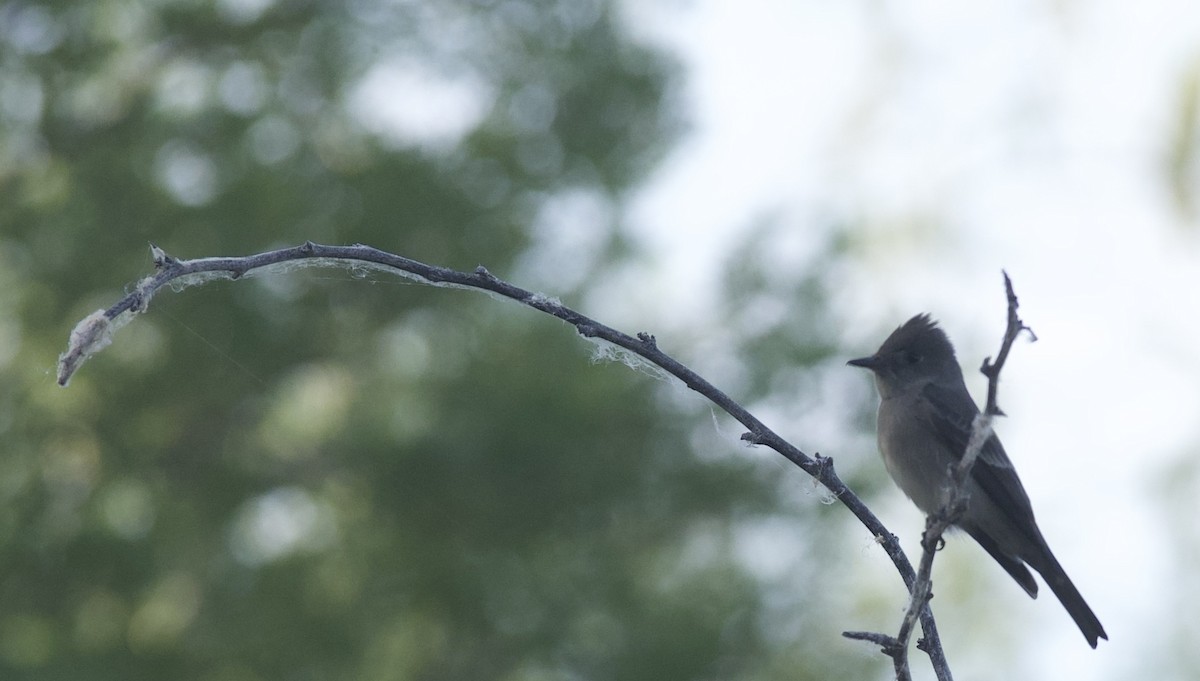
(332, 474)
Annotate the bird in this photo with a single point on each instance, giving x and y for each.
(924, 422)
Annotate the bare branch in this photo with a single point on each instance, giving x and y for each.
(1013, 329)
(890, 646)
(93, 333)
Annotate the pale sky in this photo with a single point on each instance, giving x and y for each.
(1032, 137)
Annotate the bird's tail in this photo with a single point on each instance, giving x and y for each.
(1056, 578)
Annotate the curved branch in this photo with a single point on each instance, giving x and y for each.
(94, 333)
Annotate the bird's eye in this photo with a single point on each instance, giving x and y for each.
(911, 357)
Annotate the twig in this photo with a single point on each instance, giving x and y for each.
(94, 332)
(1013, 329)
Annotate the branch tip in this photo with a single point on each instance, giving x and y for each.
(889, 644)
(160, 257)
(91, 335)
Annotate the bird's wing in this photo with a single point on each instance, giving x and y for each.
(951, 418)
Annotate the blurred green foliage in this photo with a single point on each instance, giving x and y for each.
(332, 475)
(1183, 144)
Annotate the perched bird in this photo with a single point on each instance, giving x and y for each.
(925, 417)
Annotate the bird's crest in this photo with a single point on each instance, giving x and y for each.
(921, 335)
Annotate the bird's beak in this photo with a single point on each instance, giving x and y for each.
(865, 362)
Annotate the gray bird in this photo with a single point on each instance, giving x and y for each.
(925, 416)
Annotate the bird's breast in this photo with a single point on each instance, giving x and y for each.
(913, 455)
